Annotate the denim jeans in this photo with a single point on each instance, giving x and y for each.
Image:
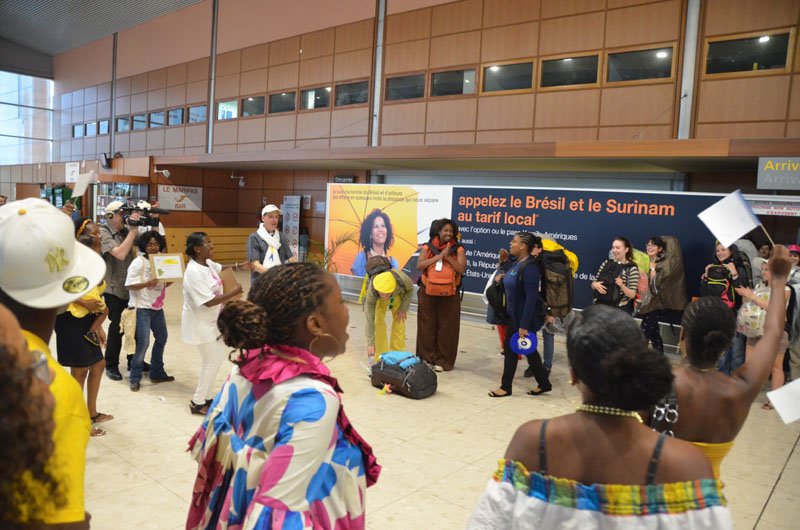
(732, 358)
(548, 347)
(146, 320)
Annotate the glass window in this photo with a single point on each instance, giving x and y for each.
(103, 127)
(642, 64)
(123, 124)
(91, 128)
(77, 131)
(569, 71)
(507, 77)
(315, 98)
(175, 117)
(765, 52)
(197, 114)
(227, 110)
(453, 83)
(352, 93)
(26, 119)
(156, 119)
(139, 122)
(405, 87)
(253, 106)
(283, 102)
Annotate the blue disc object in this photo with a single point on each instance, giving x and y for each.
(524, 345)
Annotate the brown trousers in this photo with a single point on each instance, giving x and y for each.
(438, 324)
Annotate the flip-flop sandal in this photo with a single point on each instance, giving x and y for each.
(97, 431)
(767, 406)
(101, 417)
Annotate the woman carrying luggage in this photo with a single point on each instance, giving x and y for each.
(617, 277)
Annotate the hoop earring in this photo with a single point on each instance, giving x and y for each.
(328, 345)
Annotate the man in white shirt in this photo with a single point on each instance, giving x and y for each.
(267, 246)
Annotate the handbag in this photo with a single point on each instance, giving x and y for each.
(127, 322)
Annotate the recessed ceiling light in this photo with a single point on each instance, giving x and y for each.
(661, 55)
(494, 68)
(466, 80)
(765, 38)
(283, 93)
(567, 59)
(328, 88)
(249, 99)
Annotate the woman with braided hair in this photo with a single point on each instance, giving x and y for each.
(276, 450)
(711, 406)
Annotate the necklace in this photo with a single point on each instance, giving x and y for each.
(608, 411)
(702, 370)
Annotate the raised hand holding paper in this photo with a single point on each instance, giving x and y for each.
(729, 218)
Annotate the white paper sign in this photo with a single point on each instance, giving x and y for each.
(291, 220)
(71, 171)
(82, 184)
(185, 198)
(729, 218)
(786, 401)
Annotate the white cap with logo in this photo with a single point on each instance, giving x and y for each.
(269, 209)
(41, 263)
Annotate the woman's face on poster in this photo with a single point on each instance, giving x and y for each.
(379, 231)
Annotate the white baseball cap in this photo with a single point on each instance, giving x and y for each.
(113, 206)
(269, 208)
(41, 264)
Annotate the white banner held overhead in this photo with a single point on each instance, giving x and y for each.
(82, 183)
(729, 218)
(291, 220)
(184, 198)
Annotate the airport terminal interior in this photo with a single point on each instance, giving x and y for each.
(215, 109)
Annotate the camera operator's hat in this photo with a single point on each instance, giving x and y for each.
(113, 206)
(143, 205)
(41, 264)
(269, 209)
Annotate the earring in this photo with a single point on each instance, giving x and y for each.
(324, 345)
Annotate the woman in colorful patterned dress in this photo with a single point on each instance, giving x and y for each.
(276, 450)
(600, 467)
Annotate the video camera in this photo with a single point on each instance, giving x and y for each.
(145, 214)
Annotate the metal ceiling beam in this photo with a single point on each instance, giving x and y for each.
(25, 61)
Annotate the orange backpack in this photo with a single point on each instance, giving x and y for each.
(442, 282)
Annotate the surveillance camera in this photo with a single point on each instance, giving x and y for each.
(166, 173)
(241, 183)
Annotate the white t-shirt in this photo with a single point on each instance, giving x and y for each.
(200, 284)
(147, 298)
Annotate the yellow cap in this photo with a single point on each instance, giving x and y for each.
(384, 282)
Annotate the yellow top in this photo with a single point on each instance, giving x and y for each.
(78, 311)
(70, 438)
(715, 453)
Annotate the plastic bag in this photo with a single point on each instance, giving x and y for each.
(751, 317)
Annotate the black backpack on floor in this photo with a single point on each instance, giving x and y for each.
(408, 376)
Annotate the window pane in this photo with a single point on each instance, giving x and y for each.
(123, 124)
(453, 83)
(405, 87)
(103, 127)
(315, 98)
(644, 64)
(197, 114)
(508, 77)
(569, 71)
(25, 122)
(156, 119)
(77, 131)
(253, 106)
(766, 52)
(227, 110)
(91, 128)
(25, 90)
(24, 150)
(175, 117)
(352, 93)
(283, 102)
(139, 122)
(25, 132)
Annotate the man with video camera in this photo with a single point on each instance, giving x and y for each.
(117, 239)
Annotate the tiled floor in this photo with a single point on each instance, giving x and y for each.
(437, 454)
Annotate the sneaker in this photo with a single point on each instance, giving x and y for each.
(200, 410)
(135, 386)
(92, 337)
(113, 374)
(162, 378)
